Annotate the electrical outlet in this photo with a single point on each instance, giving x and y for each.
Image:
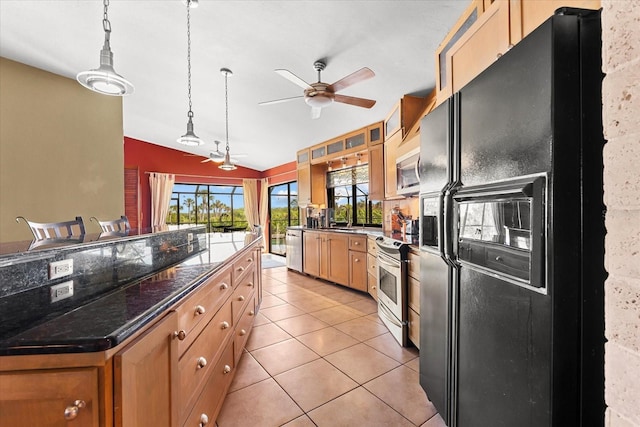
(189, 237)
(61, 291)
(189, 249)
(59, 269)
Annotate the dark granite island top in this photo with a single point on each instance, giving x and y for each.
(108, 319)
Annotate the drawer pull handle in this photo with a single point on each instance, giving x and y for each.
(200, 310)
(181, 334)
(224, 325)
(250, 284)
(202, 362)
(71, 412)
(251, 313)
(356, 259)
(204, 420)
(226, 369)
(241, 269)
(356, 243)
(224, 286)
(249, 259)
(499, 258)
(241, 298)
(243, 332)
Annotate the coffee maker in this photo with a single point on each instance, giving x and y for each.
(327, 217)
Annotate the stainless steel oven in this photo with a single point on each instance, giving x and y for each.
(392, 286)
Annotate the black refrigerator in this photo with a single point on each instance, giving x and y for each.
(512, 236)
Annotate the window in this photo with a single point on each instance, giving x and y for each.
(348, 195)
(283, 212)
(219, 207)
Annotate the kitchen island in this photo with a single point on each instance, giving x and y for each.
(160, 350)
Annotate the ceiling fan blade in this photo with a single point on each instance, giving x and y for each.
(277, 101)
(353, 78)
(207, 160)
(358, 102)
(315, 112)
(293, 78)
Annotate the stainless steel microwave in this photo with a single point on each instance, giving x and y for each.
(407, 172)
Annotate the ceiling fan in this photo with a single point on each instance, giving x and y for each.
(319, 95)
(218, 156)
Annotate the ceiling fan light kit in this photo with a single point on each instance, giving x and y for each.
(104, 79)
(319, 95)
(189, 139)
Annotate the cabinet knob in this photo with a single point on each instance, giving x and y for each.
(224, 286)
(226, 369)
(356, 243)
(356, 259)
(224, 325)
(204, 420)
(251, 313)
(241, 269)
(71, 412)
(200, 309)
(181, 334)
(241, 298)
(202, 362)
(498, 258)
(249, 259)
(243, 332)
(250, 284)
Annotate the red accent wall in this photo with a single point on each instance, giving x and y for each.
(148, 157)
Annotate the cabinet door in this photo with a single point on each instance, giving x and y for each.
(311, 253)
(304, 186)
(50, 398)
(533, 13)
(338, 258)
(358, 270)
(484, 42)
(145, 374)
(376, 172)
(390, 151)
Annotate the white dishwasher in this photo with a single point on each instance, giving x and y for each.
(294, 249)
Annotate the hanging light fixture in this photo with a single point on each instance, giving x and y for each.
(189, 138)
(227, 165)
(104, 79)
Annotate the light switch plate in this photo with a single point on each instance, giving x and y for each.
(59, 269)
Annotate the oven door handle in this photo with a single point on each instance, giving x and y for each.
(385, 262)
(390, 317)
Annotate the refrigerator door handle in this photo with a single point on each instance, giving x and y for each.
(448, 226)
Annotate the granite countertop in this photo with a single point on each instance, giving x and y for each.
(108, 320)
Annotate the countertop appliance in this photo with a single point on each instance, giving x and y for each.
(512, 236)
(293, 240)
(392, 286)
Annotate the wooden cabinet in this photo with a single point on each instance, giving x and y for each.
(403, 115)
(336, 253)
(358, 263)
(304, 186)
(311, 241)
(390, 153)
(376, 172)
(302, 157)
(372, 267)
(52, 398)
(374, 134)
(311, 185)
(145, 373)
(413, 299)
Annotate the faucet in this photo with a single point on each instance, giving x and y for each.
(348, 216)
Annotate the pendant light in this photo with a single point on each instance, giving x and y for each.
(104, 79)
(227, 165)
(189, 138)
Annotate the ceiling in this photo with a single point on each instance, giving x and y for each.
(395, 39)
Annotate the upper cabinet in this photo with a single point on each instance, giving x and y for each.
(345, 145)
(403, 115)
(486, 31)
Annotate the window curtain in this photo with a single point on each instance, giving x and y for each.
(264, 211)
(250, 190)
(161, 188)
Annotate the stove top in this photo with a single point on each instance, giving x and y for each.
(395, 245)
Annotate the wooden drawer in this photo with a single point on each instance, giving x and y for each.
(372, 246)
(414, 265)
(243, 329)
(358, 243)
(414, 294)
(206, 409)
(242, 296)
(40, 398)
(194, 366)
(372, 282)
(198, 309)
(414, 328)
(242, 265)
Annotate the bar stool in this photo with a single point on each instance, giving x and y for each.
(45, 233)
(116, 227)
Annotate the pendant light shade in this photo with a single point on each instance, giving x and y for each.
(190, 138)
(227, 165)
(104, 79)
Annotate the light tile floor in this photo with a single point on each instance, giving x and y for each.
(319, 356)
